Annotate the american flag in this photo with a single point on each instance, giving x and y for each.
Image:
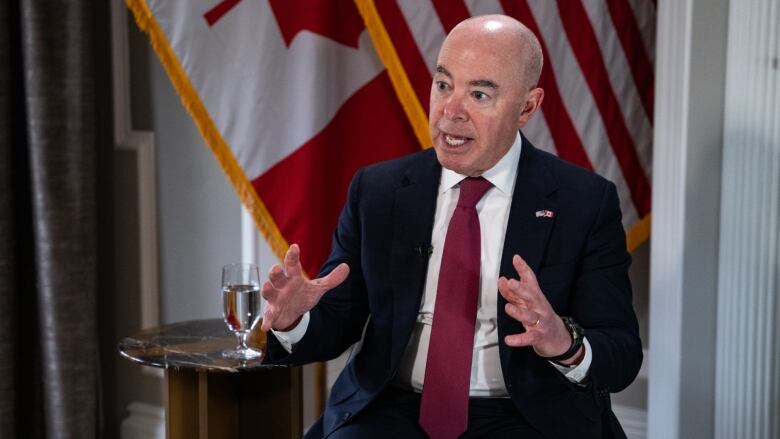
(293, 96)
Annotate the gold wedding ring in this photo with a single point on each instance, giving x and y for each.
(535, 323)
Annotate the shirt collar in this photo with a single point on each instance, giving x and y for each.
(502, 175)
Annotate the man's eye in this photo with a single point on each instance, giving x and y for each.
(478, 95)
(441, 85)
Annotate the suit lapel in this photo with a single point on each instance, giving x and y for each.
(527, 233)
(414, 209)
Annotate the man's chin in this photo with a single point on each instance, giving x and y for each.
(452, 163)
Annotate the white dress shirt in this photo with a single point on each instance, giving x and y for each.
(493, 211)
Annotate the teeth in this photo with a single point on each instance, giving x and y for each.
(454, 141)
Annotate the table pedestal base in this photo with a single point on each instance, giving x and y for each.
(214, 405)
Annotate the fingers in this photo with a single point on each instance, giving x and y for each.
(523, 270)
(535, 331)
(334, 278)
(269, 292)
(515, 292)
(277, 277)
(289, 294)
(525, 289)
(506, 290)
(523, 315)
(527, 304)
(519, 340)
(292, 261)
(548, 338)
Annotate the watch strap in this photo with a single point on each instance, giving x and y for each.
(577, 335)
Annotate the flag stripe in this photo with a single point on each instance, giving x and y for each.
(624, 23)
(412, 61)
(626, 90)
(426, 29)
(483, 7)
(644, 13)
(567, 140)
(583, 41)
(450, 12)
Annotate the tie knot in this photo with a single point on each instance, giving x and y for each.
(471, 191)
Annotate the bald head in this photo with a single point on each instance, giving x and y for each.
(507, 36)
(484, 91)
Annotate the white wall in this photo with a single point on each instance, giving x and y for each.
(199, 216)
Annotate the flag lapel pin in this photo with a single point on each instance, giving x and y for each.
(545, 214)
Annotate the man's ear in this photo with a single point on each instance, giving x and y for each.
(532, 102)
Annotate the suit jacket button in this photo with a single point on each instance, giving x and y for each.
(347, 415)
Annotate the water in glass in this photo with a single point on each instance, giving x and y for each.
(241, 306)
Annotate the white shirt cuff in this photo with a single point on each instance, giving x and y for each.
(577, 374)
(288, 339)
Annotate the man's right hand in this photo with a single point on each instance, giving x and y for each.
(289, 295)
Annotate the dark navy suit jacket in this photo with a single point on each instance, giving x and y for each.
(579, 256)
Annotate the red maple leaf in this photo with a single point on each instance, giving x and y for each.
(338, 20)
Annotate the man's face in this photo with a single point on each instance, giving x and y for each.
(477, 103)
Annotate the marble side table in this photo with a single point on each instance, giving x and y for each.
(211, 397)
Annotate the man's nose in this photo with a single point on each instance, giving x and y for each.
(453, 108)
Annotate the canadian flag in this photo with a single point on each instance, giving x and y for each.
(293, 96)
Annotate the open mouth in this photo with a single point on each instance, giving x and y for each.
(451, 140)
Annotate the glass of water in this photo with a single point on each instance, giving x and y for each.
(241, 306)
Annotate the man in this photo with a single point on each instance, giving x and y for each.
(454, 267)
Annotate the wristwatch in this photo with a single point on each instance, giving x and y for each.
(577, 334)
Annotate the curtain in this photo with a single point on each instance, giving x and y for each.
(54, 133)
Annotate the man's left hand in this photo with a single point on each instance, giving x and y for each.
(544, 329)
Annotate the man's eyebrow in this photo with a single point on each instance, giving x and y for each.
(475, 83)
(440, 69)
(483, 83)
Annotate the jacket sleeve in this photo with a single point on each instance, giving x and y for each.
(603, 303)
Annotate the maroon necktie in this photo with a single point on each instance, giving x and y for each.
(445, 397)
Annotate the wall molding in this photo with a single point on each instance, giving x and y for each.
(687, 160)
(142, 144)
(667, 248)
(747, 385)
